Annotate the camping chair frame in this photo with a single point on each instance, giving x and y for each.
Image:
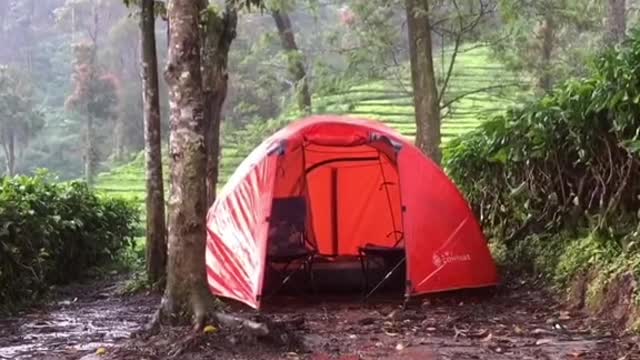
(387, 253)
(306, 251)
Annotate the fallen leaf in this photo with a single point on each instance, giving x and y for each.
(517, 329)
(459, 332)
(487, 338)
(210, 329)
(564, 315)
(101, 351)
(481, 333)
(543, 341)
(539, 331)
(392, 334)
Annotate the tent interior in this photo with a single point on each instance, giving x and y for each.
(336, 220)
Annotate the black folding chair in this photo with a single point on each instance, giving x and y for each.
(288, 240)
(392, 257)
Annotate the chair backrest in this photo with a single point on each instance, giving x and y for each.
(292, 210)
(287, 223)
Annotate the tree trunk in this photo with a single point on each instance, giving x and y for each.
(545, 82)
(118, 138)
(90, 153)
(10, 153)
(186, 290)
(217, 38)
(156, 245)
(616, 21)
(294, 59)
(425, 91)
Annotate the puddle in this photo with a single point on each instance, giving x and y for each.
(70, 327)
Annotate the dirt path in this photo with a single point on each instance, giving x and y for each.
(510, 324)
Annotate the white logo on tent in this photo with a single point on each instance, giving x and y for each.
(448, 257)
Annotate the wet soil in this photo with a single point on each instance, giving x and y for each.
(83, 318)
(522, 321)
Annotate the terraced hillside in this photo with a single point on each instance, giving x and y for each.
(479, 87)
(128, 181)
(388, 101)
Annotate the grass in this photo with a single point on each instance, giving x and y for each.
(387, 101)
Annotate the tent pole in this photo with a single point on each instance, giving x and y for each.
(389, 202)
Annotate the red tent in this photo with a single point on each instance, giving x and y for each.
(363, 181)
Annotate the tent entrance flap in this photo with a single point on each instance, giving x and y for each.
(354, 198)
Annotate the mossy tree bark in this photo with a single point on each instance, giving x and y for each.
(219, 30)
(186, 290)
(156, 242)
(425, 90)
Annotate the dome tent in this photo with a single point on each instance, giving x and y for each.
(363, 184)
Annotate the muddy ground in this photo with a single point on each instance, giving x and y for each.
(518, 321)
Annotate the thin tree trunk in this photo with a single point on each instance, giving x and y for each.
(119, 135)
(90, 153)
(186, 290)
(294, 58)
(217, 38)
(425, 91)
(10, 153)
(156, 245)
(616, 21)
(545, 82)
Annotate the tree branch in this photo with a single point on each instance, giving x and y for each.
(476, 91)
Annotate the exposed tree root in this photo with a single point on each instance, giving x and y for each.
(256, 328)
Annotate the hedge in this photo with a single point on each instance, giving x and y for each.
(52, 233)
(570, 159)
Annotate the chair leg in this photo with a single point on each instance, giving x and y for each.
(386, 277)
(311, 276)
(365, 277)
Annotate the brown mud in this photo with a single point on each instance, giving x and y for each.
(521, 321)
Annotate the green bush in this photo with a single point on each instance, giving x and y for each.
(568, 160)
(51, 233)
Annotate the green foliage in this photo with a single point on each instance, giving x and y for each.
(51, 233)
(565, 161)
(575, 28)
